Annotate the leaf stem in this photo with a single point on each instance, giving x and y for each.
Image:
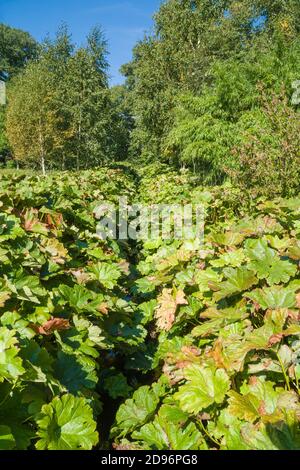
(297, 384)
(7, 395)
(286, 378)
(208, 435)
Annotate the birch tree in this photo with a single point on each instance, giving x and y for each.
(31, 122)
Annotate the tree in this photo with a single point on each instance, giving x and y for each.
(189, 39)
(59, 111)
(208, 127)
(56, 54)
(37, 127)
(87, 103)
(97, 50)
(17, 48)
(31, 122)
(201, 137)
(122, 122)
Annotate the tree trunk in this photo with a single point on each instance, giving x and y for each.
(79, 132)
(79, 146)
(43, 165)
(42, 150)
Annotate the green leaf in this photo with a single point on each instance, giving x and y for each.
(273, 297)
(10, 364)
(238, 281)
(164, 435)
(244, 407)
(66, 424)
(117, 386)
(228, 427)
(205, 386)
(267, 264)
(14, 415)
(106, 274)
(145, 286)
(284, 436)
(261, 400)
(147, 309)
(7, 441)
(172, 413)
(233, 258)
(38, 362)
(219, 318)
(228, 238)
(286, 356)
(27, 288)
(136, 411)
(75, 373)
(206, 278)
(77, 296)
(278, 436)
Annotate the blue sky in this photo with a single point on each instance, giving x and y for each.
(123, 21)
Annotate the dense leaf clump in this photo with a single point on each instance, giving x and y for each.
(193, 345)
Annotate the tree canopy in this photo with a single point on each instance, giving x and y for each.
(17, 48)
(61, 112)
(195, 91)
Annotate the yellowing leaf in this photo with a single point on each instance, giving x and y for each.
(168, 303)
(4, 296)
(205, 386)
(244, 407)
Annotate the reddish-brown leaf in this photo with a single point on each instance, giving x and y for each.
(31, 222)
(275, 339)
(191, 350)
(253, 380)
(103, 308)
(54, 221)
(262, 408)
(54, 324)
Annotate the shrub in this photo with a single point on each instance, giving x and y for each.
(268, 158)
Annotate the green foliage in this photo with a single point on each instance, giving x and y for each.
(136, 411)
(268, 153)
(65, 424)
(31, 120)
(122, 122)
(3, 138)
(241, 124)
(201, 137)
(55, 316)
(204, 387)
(16, 49)
(229, 359)
(84, 323)
(194, 85)
(7, 441)
(60, 112)
(181, 344)
(192, 98)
